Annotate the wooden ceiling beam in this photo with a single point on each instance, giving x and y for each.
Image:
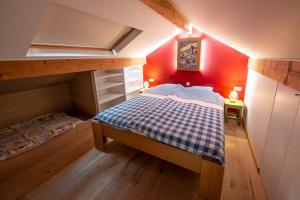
(33, 68)
(66, 47)
(168, 11)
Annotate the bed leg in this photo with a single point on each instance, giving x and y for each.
(211, 180)
(99, 139)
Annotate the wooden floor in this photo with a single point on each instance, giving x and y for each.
(125, 173)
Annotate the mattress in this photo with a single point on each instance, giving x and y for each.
(29, 134)
(174, 119)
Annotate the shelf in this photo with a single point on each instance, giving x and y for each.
(133, 69)
(104, 98)
(108, 74)
(130, 89)
(130, 80)
(113, 86)
(104, 86)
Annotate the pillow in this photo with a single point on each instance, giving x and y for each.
(165, 89)
(194, 93)
(200, 94)
(209, 88)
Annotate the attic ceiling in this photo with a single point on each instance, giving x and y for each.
(258, 28)
(66, 26)
(22, 22)
(66, 31)
(266, 29)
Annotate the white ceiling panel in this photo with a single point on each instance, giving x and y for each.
(66, 26)
(266, 29)
(258, 28)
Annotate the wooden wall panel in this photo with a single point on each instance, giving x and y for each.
(283, 71)
(293, 79)
(33, 68)
(19, 106)
(18, 85)
(82, 93)
(276, 70)
(257, 65)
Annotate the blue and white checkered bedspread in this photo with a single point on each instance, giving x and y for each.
(192, 127)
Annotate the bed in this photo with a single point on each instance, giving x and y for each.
(177, 124)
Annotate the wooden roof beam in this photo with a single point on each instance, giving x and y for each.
(33, 68)
(168, 11)
(66, 47)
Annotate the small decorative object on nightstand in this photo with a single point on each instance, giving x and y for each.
(234, 94)
(237, 105)
(146, 85)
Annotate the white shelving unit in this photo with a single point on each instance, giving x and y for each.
(133, 78)
(109, 88)
(107, 85)
(117, 85)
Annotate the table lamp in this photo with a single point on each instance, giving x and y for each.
(233, 96)
(146, 85)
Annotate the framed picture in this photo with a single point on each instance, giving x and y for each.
(188, 54)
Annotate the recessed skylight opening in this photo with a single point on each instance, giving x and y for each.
(66, 31)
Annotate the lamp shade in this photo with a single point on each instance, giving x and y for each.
(146, 84)
(233, 95)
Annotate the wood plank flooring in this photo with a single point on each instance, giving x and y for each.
(127, 174)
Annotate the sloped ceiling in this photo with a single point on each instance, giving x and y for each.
(67, 26)
(21, 20)
(258, 28)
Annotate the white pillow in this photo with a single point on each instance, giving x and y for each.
(208, 88)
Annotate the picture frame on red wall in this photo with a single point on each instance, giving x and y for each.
(188, 54)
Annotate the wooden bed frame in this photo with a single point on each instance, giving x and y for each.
(211, 172)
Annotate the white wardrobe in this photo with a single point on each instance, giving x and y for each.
(259, 100)
(288, 187)
(278, 138)
(272, 124)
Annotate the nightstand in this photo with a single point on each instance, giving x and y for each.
(237, 105)
(143, 90)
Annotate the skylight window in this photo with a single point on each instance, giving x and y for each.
(66, 31)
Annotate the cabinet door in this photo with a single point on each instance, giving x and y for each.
(259, 100)
(289, 182)
(279, 133)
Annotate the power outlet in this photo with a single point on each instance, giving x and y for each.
(187, 83)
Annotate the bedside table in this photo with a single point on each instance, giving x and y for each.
(238, 105)
(143, 90)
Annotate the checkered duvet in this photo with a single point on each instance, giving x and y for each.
(189, 126)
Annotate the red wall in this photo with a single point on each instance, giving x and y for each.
(221, 66)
